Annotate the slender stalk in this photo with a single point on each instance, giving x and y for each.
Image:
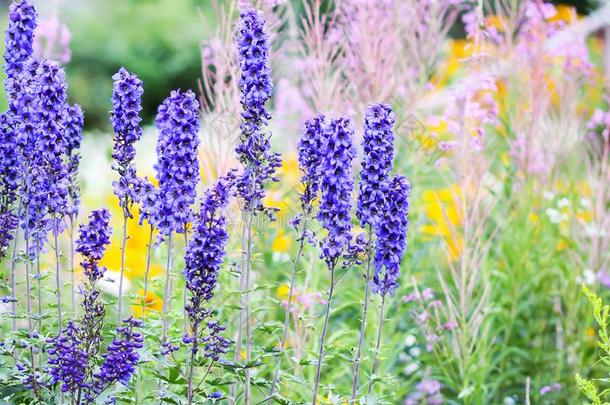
(123, 246)
(72, 269)
(167, 299)
(39, 291)
(365, 304)
(148, 256)
(379, 332)
(57, 275)
(28, 287)
(240, 319)
(192, 366)
(323, 336)
(295, 264)
(247, 310)
(14, 273)
(184, 314)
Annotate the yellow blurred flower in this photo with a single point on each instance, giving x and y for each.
(283, 292)
(565, 13)
(282, 242)
(533, 217)
(561, 245)
(444, 214)
(289, 171)
(152, 302)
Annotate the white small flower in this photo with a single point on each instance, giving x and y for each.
(564, 202)
(588, 277)
(585, 203)
(411, 368)
(547, 195)
(554, 215)
(509, 401)
(410, 340)
(415, 351)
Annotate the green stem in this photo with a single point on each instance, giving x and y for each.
(323, 336)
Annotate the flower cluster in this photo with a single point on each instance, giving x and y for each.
(9, 181)
(19, 37)
(122, 356)
(67, 359)
(48, 182)
(149, 198)
(336, 187)
(214, 344)
(177, 165)
(391, 237)
(125, 118)
(74, 119)
(310, 157)
(426, 392)
(204, 255)
(378, 146)
(254, 150)
(92, 243)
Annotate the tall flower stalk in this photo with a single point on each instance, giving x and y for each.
(336, 185)
(125, 119)
(48, 172)
(378, 148)
(74, 127)
(391, 244)
(254, 152)
(18, 49)
(149, 197)
(309, 158)
(178, 174)
(205, 253)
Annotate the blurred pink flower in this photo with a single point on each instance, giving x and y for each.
(52, 40)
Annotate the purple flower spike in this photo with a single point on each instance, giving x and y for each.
(377, 163)
(309, 151)
(122, 357)
(205, 253)
(336, 186)
(391, 237)
(9, 181)
(75, 120)
(92, 243)
(68, 360)
(177, 165)
(254, 150)
(19, 38)
(125, 119)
